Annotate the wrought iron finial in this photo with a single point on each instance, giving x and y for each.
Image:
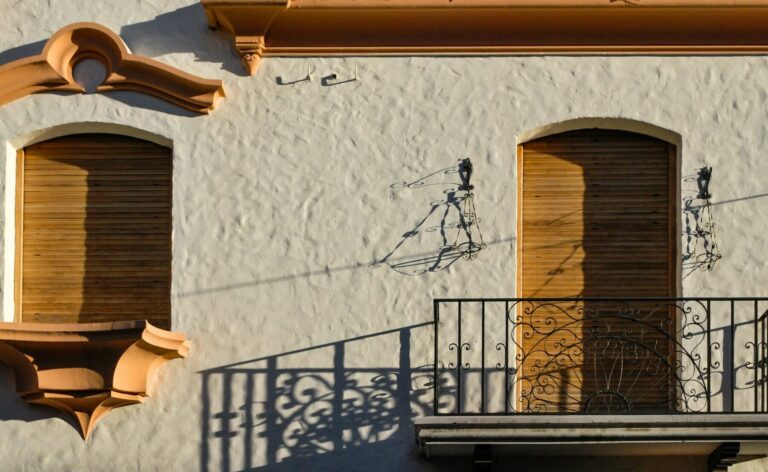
(702, 180)
(468, 217)
(465, 174)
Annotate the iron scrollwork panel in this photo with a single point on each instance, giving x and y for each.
(597, 356)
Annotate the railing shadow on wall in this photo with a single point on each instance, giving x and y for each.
(319, 408)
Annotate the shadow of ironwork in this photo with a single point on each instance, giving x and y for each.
(453, 213)
(700, 249)
(310, 409)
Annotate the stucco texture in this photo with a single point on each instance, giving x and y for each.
(304, 266)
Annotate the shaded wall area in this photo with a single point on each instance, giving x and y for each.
(321, 408)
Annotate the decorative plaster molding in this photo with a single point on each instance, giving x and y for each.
(52, 70)
(251, 50)
(374, 27)
(89, 369)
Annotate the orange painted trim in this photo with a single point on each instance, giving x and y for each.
(88, 369)
(52, 70)
(747, 50)
(18, 269)
(485, 27)
(453, 4)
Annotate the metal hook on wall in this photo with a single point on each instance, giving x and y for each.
(307, 78)
(333, 79)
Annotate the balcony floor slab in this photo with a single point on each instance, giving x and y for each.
(594, 435)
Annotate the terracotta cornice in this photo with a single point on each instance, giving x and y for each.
(373, 27)
(87, 370)
(52, 70)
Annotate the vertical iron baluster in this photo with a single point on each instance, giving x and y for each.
(248, 423)
(709, 357)
(506, 357)
(761, 361)
(458, 368)
(754, 385)
(733, 359)
(765, 368)
(435, 379)
(482, 357)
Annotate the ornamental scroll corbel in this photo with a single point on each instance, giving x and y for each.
(251, 50)
(86, 370)
(249, 22)
(52, 70)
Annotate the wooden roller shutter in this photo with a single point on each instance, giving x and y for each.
(93, 230)
(597, 221)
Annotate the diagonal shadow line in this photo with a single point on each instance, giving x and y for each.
(222, 368)
(284, 278)
(421, 182)
(751, 197)
(559, 268)
(407, 235)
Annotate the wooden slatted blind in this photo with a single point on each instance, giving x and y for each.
(596, 222)
(93, 230)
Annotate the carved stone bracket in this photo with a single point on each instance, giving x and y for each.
(52, 70)
(249, 22)
(89, 369)
(251, 50)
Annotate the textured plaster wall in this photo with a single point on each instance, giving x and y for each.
(298, 253)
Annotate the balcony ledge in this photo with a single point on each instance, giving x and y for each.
(746, 435)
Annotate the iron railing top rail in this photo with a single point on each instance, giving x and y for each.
(598, 299)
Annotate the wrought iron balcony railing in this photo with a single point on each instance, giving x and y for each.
(600, 356)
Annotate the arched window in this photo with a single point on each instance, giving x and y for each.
(93, 230)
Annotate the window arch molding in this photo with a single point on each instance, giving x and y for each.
(81, 127)
(618, 124)
(53, 70)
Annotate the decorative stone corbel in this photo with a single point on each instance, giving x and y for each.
(249, 22)
(251, 50)
(52, 70)
(86, 370)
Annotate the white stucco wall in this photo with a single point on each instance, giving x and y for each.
(287, 199)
